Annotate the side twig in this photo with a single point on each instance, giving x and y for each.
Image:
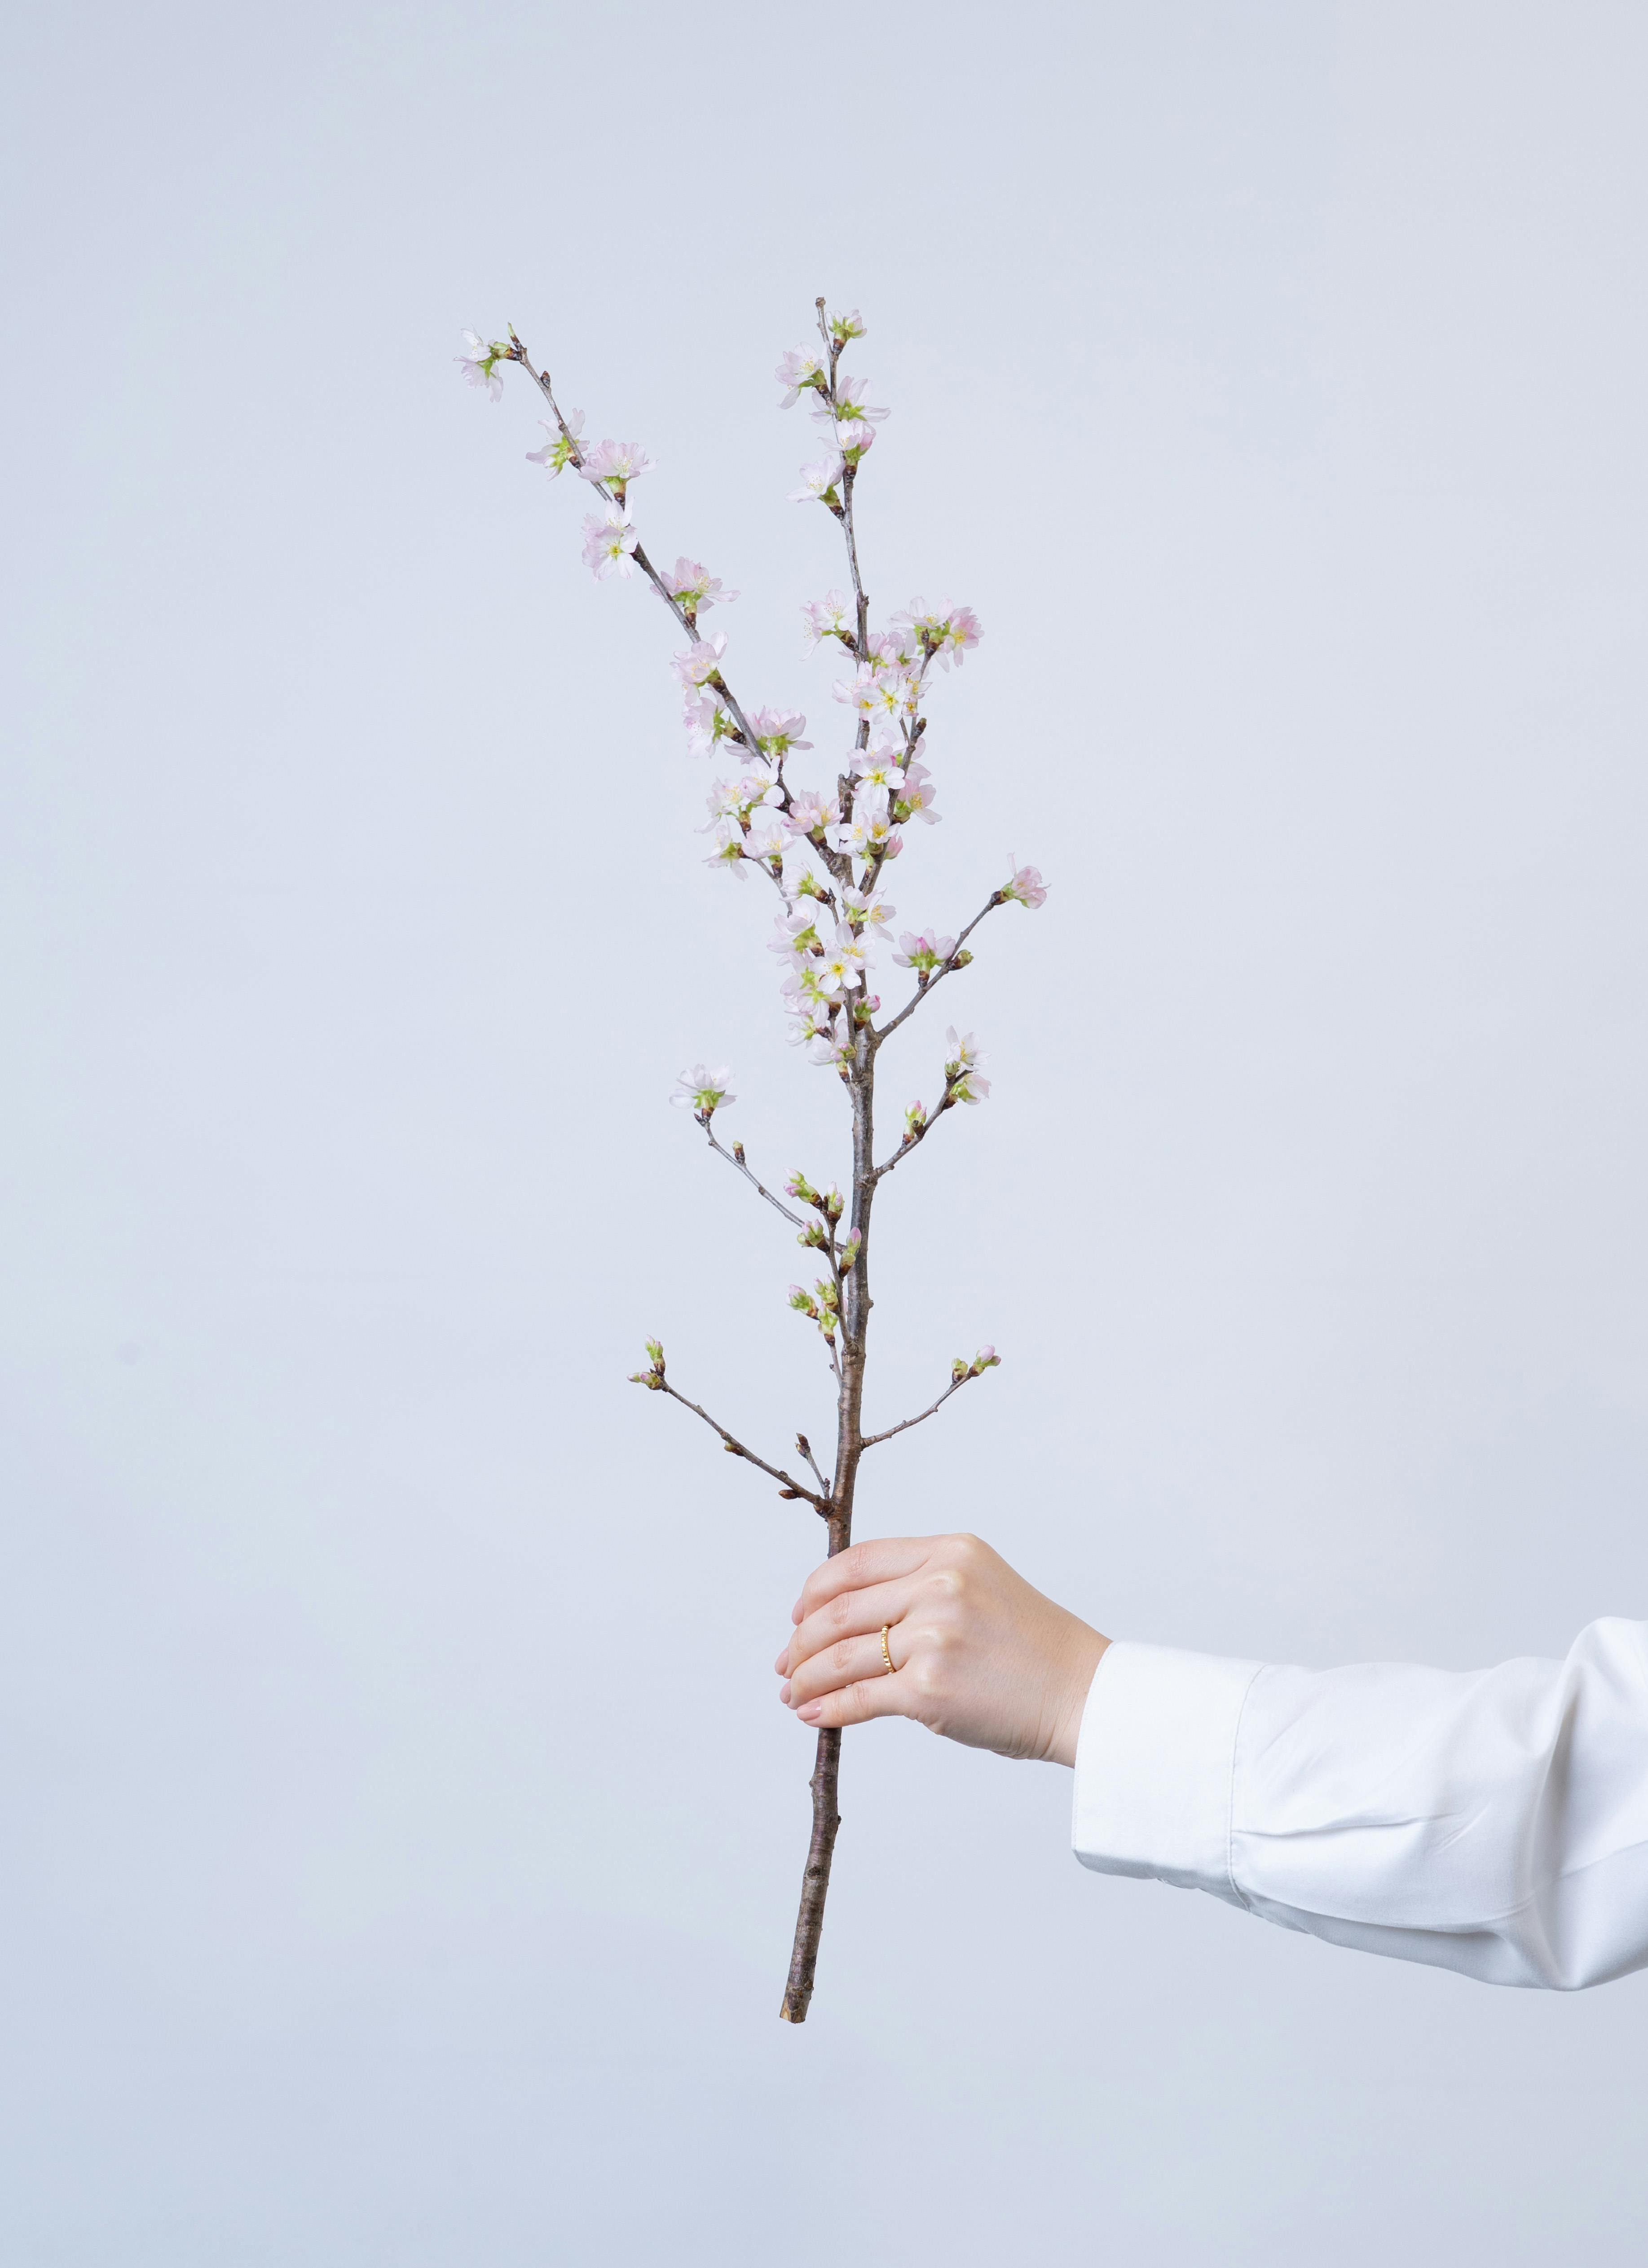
(954, 1386)
(735, 1447)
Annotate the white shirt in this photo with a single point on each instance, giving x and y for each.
(1494, 1821)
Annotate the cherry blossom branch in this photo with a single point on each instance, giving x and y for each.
(687, 617)
(986, 1359)
(829, 853)
(833, 348)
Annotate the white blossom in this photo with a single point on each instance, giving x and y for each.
(556, 453)
(479, 363)
(703, 1091)
(817, 482)
(834, 615)
(799, 369)
(608, 541)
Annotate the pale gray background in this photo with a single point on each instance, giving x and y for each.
(402, 1837)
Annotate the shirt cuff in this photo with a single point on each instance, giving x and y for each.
(1155, 1765)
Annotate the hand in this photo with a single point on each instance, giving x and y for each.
(977, 1655)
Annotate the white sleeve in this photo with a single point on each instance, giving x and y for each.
(1494, 1821)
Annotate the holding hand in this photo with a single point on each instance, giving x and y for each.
(939, 1628)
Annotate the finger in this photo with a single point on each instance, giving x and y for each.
(856, 1704)
(849, 1660)
(850, 1614)
(877, 1562)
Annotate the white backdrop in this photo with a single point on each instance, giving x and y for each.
(402, 1837)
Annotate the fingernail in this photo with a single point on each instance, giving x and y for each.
(810, 1712)
(795, 1612)
(784, 1691)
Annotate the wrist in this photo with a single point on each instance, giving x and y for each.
(1084, 1654)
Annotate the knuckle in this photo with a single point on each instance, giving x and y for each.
(839, 1612)
(841, 1655)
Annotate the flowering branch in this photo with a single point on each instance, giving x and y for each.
(827, 851)
(986, 1359)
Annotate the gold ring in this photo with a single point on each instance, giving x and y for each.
(885, 1653)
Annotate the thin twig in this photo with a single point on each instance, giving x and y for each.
(996, 898)
(820, 1504)
(954, 1386)
(915, 1135)
(805, 1447)
(759, 1188)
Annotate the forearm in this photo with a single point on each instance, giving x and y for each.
(1492, 1822)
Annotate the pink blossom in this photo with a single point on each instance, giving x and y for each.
(960, 632)
(556, 453)
(703, 1091)
(843, 328)
(608, 540)
(695, 588)
(1026, 886)
(963, 1065)
(769, 842)
(797, 934)
(924, 950)
(843, 965)
(617, 461)
(831, 616)
(813, 1025)
(478, 365)
(804, 994)
(707, 721)
(798, 369)
(697, 663)
(900, 651)
(829, 1049)
(777, 731)
(850, 406)
(878, 765)
(867, 835)
(946, 631)
(914, 1117)
(884, 696)
(738, 799)
(854, 440)
(868, 911)
(810, 812)
(817, 482)
(729, 850)
(916, 798)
